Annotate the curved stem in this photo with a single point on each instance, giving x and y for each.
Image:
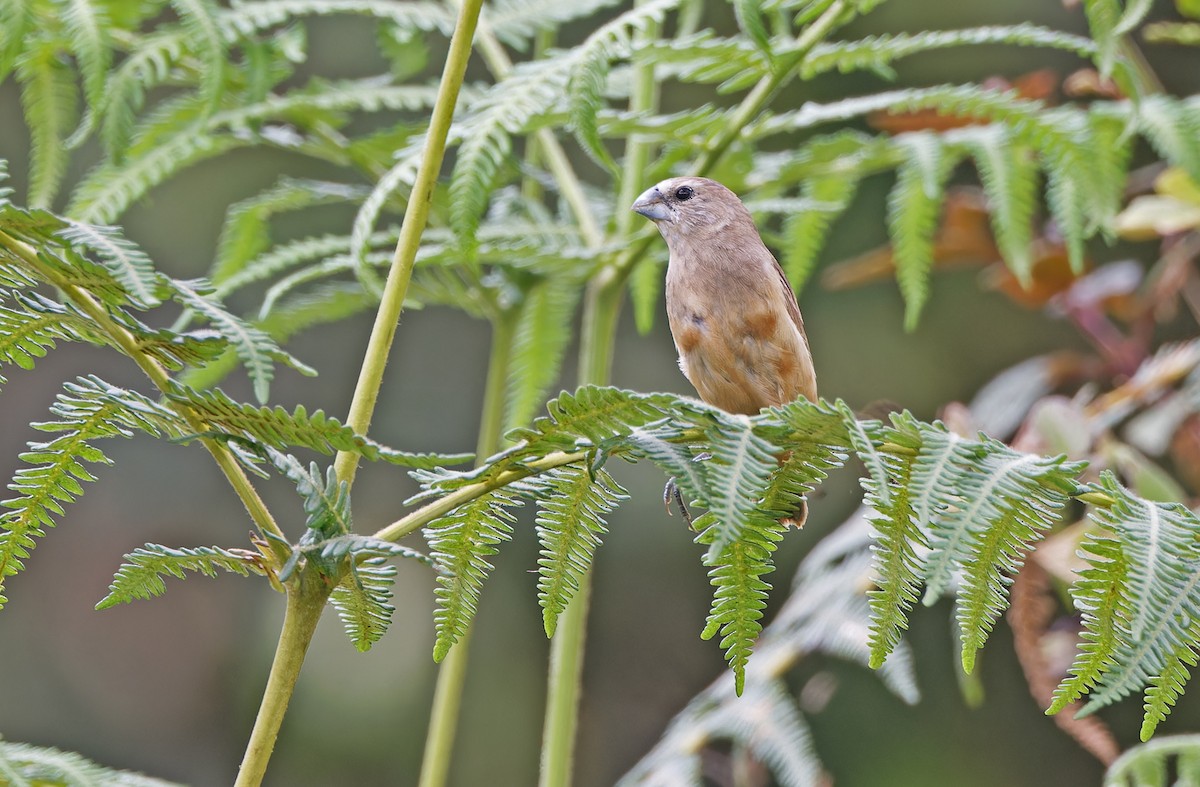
(452, 674)
(305, 603)
(416, 215)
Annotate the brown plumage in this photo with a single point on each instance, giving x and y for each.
(733, 314)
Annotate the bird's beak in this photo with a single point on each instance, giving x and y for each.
(652, 205)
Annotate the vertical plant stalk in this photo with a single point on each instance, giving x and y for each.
(452, 674)
(602, 309)
(416, 215)
(307, 594)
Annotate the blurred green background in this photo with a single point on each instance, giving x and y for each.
(170, 686)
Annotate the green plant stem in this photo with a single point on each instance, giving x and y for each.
(416, 215)
(128, 344)
(602, 308)
(452, 674)
(305, 603)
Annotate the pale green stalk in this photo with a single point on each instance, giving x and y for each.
(452, 674)
(308, 593)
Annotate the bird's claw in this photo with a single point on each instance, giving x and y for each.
(671, 494)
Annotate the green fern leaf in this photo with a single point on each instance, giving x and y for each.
(87, 25)
(141, 575)
(539, 343)
(750, 21)
(1009, 173)
(877, 53)
(914, 207)
(1103, 17)
(1174, 760)
(572, 504)
(362, 600)
(741, 592)
(736, 476)
(277, 428)
(89, 410)
(1166, 687)
(326, 499)
(460, 543)
(253, 346)
(246, 233)
(147, 66)
(1162, 584)
(22, 765)
(123, 258)
(1101, 598)
(248, 17)
(199, 20)
(516, 22)
(804, 232)
(16, 23)
(33, 327)
(900, 535)
(1173, 128)
(48, 97)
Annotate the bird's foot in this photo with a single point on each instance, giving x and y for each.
(671, 494)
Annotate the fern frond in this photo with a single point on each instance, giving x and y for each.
(363, 601)
(460, 543)
(22, 764)
(1103, 17)
(741, 593)
(326, 499)
(1173, 128)
(277, 428)
(88, 34)
(246, 232)
(122, 257)
(1009, 173)
(147, 66)
(1167, 686)
(804, 232)
(1100, 596)
(1162, 585)
(899, 535)
(516, 22)
(1174, 760)
(589, 66)
(766, 721)
(200, 24)
(877, 53)
(572, 503)
(539, 343)
(35, 324)
(16, 24)
(48, 97)
(88, 411)
(914, 206)
(418, 16)
(141, 575)
(256, 350)
(110, 188)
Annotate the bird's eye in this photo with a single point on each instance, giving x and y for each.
(684, 193)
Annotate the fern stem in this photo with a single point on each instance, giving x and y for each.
(452, 674)
(444, 505)
(162, 381)
(416, 215)
(769, 85)
(305, 603)
(602, 308)
(644, 98)
(569, 185)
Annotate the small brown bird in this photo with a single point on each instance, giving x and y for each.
(733, 314)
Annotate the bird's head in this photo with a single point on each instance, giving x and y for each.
(691, 207)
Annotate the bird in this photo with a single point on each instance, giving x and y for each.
(733, 314)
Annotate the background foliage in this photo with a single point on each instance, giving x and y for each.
(245, 89)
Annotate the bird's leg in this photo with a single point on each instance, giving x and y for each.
(671, 493)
